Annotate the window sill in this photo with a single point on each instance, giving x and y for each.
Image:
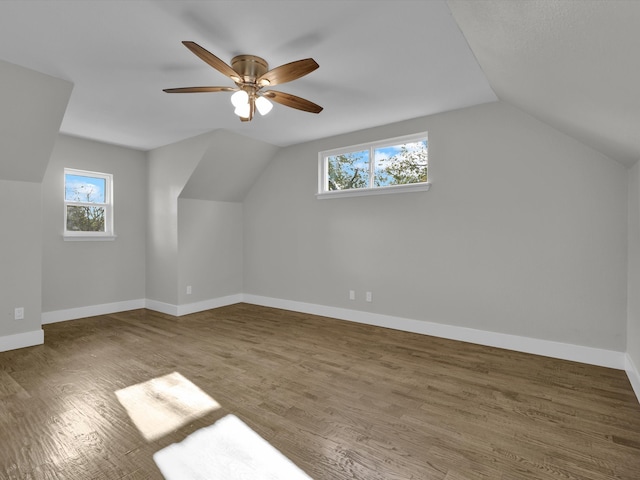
(89, 238)
(361, 192)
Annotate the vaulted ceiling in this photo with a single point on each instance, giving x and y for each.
(573, 64)
(570, 63)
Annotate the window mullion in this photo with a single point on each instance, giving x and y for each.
(371, 167)
(85, 204)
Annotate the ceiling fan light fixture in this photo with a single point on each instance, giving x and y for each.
(263, 105)
(240, 99)
(251, 74)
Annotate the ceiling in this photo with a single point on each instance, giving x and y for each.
(380, 62)
(570, 63)
(573, 64)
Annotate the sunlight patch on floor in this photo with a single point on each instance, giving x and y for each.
(230, 450)
(164, 404)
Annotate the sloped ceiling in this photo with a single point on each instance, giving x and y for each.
(228, 168)
(32, 106)
(572, 64)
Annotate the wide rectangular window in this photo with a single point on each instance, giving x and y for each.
(396, 164)
(88, 204)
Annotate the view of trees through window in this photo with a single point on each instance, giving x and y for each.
(392, 165)
(85, 219)
(85, 198)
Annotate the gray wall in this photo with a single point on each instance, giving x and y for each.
(32, 107)
(169, 168)
(199, 180)
(633, 329)
(20, 256)
(86, 273)
(524, 232)
(228, 168)
(210, 249)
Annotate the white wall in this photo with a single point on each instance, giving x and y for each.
(80, 274)
(633, 295)
(524, 232)
(210, 249)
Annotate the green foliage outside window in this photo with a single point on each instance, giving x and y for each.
(407, 166)
(350, 170)
(85, 219)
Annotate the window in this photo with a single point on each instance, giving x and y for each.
(388, 166)
(88, 205)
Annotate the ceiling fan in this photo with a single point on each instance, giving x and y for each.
(251, 74)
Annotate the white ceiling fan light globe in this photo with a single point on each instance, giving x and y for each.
(243, 110)
(263, 105)
(240, 98)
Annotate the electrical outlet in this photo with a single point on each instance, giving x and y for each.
(352, 294)
(369, 297)
(188, 289)
(18, 313)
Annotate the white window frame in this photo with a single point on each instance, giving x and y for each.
(108, 233)
(323, 169)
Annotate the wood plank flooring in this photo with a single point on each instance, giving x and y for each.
(339, 399)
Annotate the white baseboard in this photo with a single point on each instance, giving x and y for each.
(21, 340)
(167, 308)
(186, 309)
(547, 348)
(91, 311)
(161, 307)
(634, 375)
(208, 304)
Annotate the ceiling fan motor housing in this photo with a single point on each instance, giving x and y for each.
(249, 67)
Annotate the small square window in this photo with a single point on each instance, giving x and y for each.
(88, 204)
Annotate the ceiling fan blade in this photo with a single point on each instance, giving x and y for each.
(293, 101)
(288, 72)
(199, 89)
(212, 60)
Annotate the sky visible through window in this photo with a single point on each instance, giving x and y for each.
(357, 170)
(386, 153)
(80, 188)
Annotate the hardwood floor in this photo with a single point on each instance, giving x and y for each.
(341, 400)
